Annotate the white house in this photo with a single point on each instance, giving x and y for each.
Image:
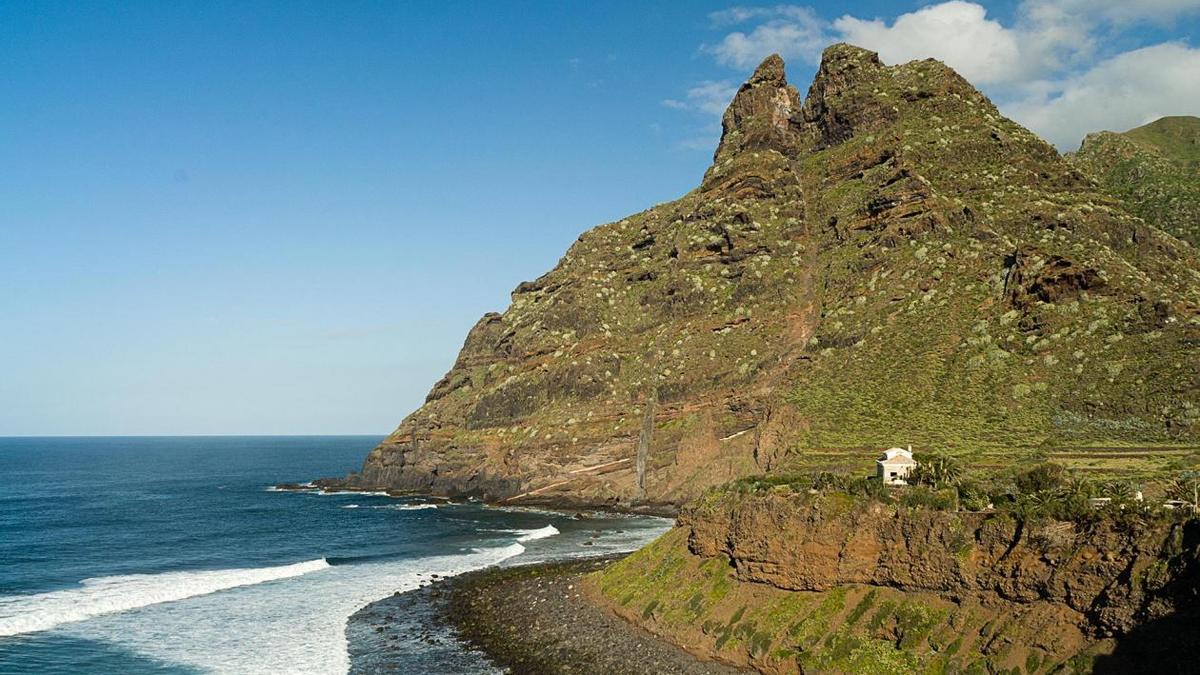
(895, 465)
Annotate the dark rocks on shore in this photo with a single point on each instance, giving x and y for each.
(535, 619)
(527, 619)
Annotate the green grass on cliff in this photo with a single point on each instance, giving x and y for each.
(1154, 169)
(852, 629)
(1177, 137)
(905, 267)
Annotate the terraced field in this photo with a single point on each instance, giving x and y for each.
(1148, 466)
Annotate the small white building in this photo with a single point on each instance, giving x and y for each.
(895, 465)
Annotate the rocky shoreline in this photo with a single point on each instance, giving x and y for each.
(559, 503)
(523, 619)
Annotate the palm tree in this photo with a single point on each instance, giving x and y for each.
(1185, 488)
(1075, 493)
(1078, 488)
(938, 470)
(1120, 492)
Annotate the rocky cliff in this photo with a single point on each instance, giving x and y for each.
(1154, 169)
(829, 583)
(889, 260)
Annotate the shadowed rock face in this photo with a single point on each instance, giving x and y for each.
(890, 259)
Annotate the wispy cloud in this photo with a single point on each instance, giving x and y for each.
(961, 33)
(1127, 90)
(788, 30)
(736, 15)
(1051, 67)
(708, 101)
(702, 140)
(711, 97)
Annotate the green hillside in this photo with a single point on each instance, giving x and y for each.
(1154, 168)
(889, 261)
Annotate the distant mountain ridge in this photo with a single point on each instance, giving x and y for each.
(1176, 137)
(888, 260)
(1154, 168)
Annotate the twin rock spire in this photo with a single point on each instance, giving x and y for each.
(767, 113)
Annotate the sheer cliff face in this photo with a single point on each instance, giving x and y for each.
(888, 259)
(827, 583)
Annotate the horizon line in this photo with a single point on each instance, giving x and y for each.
(18, 436)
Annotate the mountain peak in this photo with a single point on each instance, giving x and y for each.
(894, 228)
(1176, 137)
(771, 70)
(763, 113)
(842, 56)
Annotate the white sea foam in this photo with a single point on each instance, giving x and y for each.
(300, 487)
(394, 507)
(375, 493)
(106, 595)
(297, 625)
(540, 533)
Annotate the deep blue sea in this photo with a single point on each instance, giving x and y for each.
(173, 555)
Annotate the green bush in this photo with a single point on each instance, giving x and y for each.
(935, 470)
(1041, 478)
(920, 496)
(973, 495)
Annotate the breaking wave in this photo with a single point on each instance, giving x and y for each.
(392, 507)
(107, 595)
(540, 533)
(365, 493)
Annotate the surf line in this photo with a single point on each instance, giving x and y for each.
(110, 595)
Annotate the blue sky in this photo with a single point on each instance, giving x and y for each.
(247, 217)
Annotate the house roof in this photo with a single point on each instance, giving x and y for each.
(896, 456)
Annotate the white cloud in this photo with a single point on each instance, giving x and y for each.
(735, 15)
(1051, 68)
(710, 97)
(1047, 37)
(1118, 11)
(958, 33)
(1119, 93)
(789, 31)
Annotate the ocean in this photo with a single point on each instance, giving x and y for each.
(174, 555)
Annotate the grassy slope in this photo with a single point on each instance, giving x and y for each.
(852, 629)
(1154, 168)
(917, 343)
(856, 294)
(1177, 138)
